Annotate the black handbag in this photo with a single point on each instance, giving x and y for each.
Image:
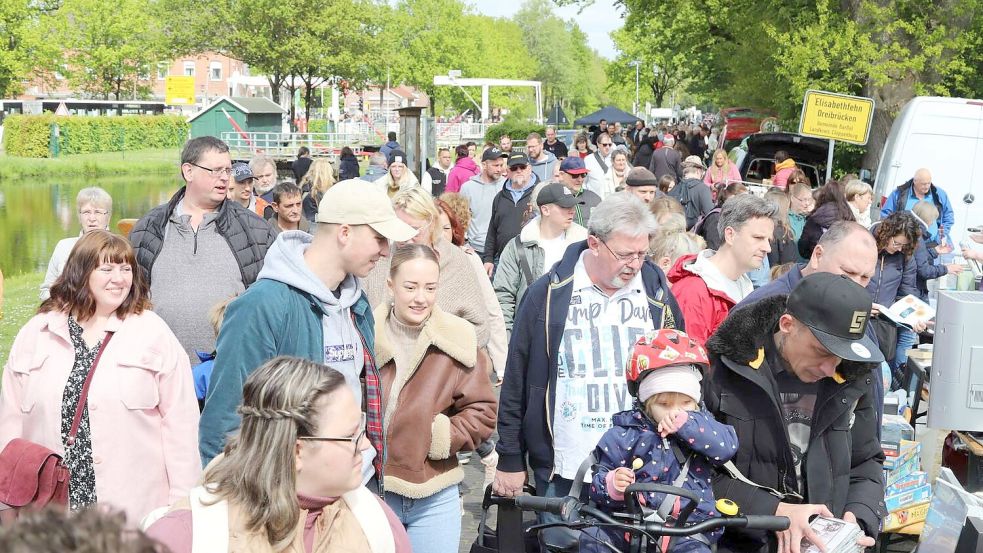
(887, 336)
(509, 535)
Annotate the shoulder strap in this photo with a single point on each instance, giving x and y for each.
(524, 264)
(370, 516)
(84, 395)
(600, 161)
(731, 469)
(209, 522)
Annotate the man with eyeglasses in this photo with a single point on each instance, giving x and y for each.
(564, 379)
(200, 247)
(573, 173)
(708, 284)
(599, 165)
(509, 208)
(920, 188)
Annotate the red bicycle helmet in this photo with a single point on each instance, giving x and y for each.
(662, 348)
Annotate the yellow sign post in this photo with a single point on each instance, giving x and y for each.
(836, 116)
(179, 90)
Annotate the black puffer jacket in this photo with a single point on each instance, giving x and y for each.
(817, 223)
(248, 235)
(844, 462)
(507, 219)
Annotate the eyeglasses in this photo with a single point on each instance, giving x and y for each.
(515, 168)
(606, 144)
(92, 212)
(354, 439)
(899, 245)
(625, 259)
(216, 173)
(577, 176)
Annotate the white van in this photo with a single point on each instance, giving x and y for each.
(944, 135)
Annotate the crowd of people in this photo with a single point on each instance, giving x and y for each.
(305, 365)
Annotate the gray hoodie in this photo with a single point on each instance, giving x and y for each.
(544, 169)
(481, 196)
(342, 344)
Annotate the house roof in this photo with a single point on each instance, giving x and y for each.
(243, 104)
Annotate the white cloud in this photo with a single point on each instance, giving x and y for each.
(597, 20)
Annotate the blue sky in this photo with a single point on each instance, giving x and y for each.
(597, 20)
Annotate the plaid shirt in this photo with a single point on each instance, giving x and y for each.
(372, 403)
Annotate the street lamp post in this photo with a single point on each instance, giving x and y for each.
(636, 63)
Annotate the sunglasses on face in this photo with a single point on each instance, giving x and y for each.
(516, 168)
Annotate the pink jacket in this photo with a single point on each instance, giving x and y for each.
(142, 407)
(727, 175)
(463, 170)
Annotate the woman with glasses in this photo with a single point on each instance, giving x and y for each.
(291, 479)
(94, 207)
(102, 381)
(437, 397)
(895, 276)
(800, 204)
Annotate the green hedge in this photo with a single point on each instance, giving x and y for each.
(27, 135)
(518, 130)
(317, 125)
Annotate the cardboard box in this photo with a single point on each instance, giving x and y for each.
(907, 498)
(905, 469)
(894, 429)
(913, 480)
(903, 517)
(908, 449)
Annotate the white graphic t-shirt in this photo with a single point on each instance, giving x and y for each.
(590, 383)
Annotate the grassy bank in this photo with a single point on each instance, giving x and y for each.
(20, 303)
(91, 165)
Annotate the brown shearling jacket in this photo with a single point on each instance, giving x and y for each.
(442, 405)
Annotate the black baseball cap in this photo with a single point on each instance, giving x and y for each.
(491, 154)
(836, 310)
(557, 193)
(518, 158)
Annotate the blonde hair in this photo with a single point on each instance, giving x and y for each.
(926, 211)
(779, 270)
(258, 472)
(857, 187)
(674, 245)
(419, 204)
(780, 198)
(409, 252)
(320, 177)
(217, 313)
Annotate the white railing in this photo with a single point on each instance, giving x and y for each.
(285, 145)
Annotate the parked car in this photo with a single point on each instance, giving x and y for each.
(944, 135)
(755, 157)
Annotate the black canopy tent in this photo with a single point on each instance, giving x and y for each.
(610, 114)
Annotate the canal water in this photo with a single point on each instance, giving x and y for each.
(35, 214)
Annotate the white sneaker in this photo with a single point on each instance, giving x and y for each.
(463, 457)
(491, 466)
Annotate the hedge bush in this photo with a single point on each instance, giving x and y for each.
(27, 135)
(518, 130)
(317, 125)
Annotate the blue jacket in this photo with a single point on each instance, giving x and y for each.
(926, 266)
(783, 286)
(634, 436)
(894, 278)
(203, 374)
(388, 147)
(898, 201)
(528, 396)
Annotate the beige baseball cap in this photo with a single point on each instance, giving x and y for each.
(360, 202)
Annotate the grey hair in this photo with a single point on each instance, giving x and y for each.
(261, 161)
(95, 196)
(378, 160)
(622, 213)
(740, 209)
(668, 139)
(197, 147)
(839, 231)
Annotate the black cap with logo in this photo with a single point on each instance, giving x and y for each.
(836, 310)
(518, 158)
(492, 154)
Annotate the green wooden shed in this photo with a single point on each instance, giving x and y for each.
(249, 114)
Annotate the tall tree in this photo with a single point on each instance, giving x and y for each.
(107, 47)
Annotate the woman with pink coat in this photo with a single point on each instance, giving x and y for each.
(721, 170)
(464, 168)
(136, 448)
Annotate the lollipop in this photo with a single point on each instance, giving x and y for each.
(637, 464)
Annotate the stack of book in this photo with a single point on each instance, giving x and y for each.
(907, 492)
(837, 535)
